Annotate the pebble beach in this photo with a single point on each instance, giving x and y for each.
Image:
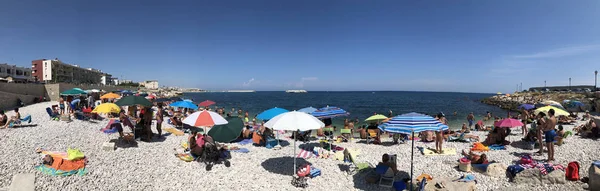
(153, 166)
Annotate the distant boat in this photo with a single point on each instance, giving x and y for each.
(296, 91)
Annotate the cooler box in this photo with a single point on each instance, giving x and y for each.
(271, 143)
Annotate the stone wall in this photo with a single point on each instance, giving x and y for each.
(53, 90)
(24, 89)
(9, 100)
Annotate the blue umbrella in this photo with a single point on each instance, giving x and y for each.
(184, 104)
(573, 103)
(411, 123)
(526, 106)
(329, 112)
(270, 113)
(126, 92)
(308, 110)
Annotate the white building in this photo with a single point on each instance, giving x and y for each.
(115, 81)
(150, 84)
(58, 71)
(106, 79)
(13, 73)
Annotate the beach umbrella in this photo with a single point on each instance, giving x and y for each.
(150, 97)
(107, 108)
(329, 112)
(509, 122)
(73, 92)
(573, 103)
(134, 100)
(550, 102)
(188, 100)
(294, 121)
(206, 103)
(184, 104)
(175, 99)
(377, 117)
(270, 113)
(228, 132)
(412, 123)
(110, 96)
(204, 119)
(557, 111)
(526, 106)
(308, 110)
(126, 92)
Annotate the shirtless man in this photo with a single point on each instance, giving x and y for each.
(549, 134)
(541, 125)
(524, 118)
(471, 119)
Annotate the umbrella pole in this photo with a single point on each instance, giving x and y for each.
(412, 153)
(294, 154)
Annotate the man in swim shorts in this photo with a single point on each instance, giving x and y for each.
(471, 118)
(549, 134)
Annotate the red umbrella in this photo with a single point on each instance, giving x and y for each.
(509, 122)
(206, 103)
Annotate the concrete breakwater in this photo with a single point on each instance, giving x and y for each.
(10, 93)
(591, 101)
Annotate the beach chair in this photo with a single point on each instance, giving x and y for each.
(328, 137)
(52, 115)
(371, 135)
(356, 167)
(346, 134)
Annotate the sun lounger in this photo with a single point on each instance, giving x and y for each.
(356, 167)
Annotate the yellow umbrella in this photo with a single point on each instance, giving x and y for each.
(376, 117)
(107, 108)
(110, 96)
(557, 111)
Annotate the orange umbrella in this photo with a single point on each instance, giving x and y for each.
(110, 96)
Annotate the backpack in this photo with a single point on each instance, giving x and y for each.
(572, 171)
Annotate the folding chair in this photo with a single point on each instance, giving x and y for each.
(371, 134)
(356, 167)
(346, 132)
(389, 177)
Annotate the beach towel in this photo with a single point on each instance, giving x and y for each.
(305, 154)
(467, 178)
(479, 147)
(74, 154)
(245, 142)
(445, 151)
(314, 172)
(496, 147)
(241, 150)
(481, 167)
(174, 131)
(51, 171)
(185, 157)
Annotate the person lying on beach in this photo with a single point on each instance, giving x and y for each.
(585, 129)
(3, 118)
(475, 158)
(496, 136)
(60, 163)
(586, 116)
(14, 119)
(385, 161)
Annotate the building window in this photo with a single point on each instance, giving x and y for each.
(8, 71)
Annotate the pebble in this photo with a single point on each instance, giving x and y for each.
(152, 166)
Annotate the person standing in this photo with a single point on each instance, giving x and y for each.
(471, 118)
(439, 135)
(159, 119)
(541, 123)
(524, 118)
(549, 134)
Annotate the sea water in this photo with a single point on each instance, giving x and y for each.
(360, 105)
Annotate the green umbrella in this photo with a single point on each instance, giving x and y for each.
(228, 132)
(74, 91)
(134, 100)
(376, 117)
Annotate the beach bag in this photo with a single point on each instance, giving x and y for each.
(465, 165)
(572, 171)
(74, 154)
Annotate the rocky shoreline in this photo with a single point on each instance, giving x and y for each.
(511, 102)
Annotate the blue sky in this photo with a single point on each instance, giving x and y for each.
(466, 46)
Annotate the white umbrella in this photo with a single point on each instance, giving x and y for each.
(294, 121)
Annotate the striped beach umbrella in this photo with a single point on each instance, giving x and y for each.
(329, 112)
(411, 123)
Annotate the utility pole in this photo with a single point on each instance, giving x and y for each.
(569, 84)
(595, 79)
(545, 83)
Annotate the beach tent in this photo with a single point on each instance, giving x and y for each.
(294, 121)
(227, 132)
(412, 123)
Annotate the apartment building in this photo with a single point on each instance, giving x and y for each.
(56, 71)
(13, 73)
(150, 84)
